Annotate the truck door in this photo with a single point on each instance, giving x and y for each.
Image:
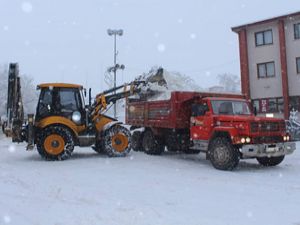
(201, 121)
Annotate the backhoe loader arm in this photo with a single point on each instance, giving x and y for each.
(111, 96)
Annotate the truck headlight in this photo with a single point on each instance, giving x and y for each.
(76, 117)
(248, 140)
(285, 138)
(243, 140)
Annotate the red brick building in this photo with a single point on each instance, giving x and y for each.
(270, 63)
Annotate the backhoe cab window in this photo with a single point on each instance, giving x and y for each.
(59, 101)
(68, 100)
(45, 103)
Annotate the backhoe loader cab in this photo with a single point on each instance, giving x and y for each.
(65, 100)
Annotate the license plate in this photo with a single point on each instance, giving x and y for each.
(271, 149)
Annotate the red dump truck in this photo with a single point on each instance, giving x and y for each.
(220, 125)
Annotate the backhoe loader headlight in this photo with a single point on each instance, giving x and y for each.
(76, 117)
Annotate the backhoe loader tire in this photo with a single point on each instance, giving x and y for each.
(136, 141)
(55, 143)
(116, 141)
(152, 145)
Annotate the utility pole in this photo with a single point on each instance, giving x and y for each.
(116, 66)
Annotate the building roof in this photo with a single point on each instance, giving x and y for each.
(286, 16)
(61, 85)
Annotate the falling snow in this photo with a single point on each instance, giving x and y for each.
(27, 7)
(6, 219)
(12, 148)
(193, 36)
(161, 48)
(180, 20)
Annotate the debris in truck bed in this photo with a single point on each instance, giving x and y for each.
(160, 83)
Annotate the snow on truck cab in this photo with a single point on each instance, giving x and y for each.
(221, 125)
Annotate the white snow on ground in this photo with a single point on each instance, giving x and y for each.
(172, 189)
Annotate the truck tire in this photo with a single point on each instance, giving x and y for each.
(222, 154)
(178, 143)
(272, 161)
(116, 141)
(152, 145)
(136, 141)
(55, 143)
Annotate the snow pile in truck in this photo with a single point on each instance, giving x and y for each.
(160, 83)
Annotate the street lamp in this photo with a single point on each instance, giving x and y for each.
(116, 66)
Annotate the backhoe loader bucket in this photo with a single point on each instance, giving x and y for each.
(154, 84)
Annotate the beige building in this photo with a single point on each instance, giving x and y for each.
(270, 63)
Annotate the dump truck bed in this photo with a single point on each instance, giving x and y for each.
(174, 113)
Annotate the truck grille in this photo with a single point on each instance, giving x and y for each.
(267, 139)
(267, 126)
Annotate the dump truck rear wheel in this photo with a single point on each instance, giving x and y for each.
(55, 143)
(136, 141)
(116, 141)
(222, 154)
(272, 161)
(152, 145)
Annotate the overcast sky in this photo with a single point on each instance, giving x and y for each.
(67, 41)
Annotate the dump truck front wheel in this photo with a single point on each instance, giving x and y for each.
(272, 161)
(222, 154)
(116, 141)
(55, 143)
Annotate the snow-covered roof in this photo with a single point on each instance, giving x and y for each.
(286, 16)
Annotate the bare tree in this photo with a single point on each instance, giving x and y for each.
(230, 82)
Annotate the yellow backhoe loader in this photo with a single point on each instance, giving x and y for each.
(63, 121)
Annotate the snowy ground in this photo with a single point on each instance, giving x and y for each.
(141, 189)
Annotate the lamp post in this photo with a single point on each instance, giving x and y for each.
(116, 66)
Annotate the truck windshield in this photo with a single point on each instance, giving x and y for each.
(226, 107)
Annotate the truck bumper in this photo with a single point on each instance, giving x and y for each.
(267, 150)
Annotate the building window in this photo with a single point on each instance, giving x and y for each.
(269, 105)
(272, 105)
(255, 104)
(297, 31)
(265, 70)
(294, 103)
(264, 38)
(298, 64)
